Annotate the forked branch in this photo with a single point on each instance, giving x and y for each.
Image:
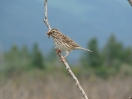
(60, 55)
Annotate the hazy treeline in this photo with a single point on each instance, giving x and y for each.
(31, 74)
(104, 62)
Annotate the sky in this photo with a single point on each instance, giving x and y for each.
(21, 22)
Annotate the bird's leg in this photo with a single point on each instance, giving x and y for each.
(57, 51)
(67, 53)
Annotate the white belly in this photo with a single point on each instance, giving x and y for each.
(61, 46)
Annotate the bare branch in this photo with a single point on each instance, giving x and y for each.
(60, 55)
(46, 15)
(73, 76)
(130, 1)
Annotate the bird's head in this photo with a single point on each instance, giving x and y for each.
(51, 32)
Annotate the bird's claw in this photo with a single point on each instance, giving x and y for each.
(58, 51)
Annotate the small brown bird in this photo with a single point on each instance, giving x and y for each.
(64, 43)
(130, 1)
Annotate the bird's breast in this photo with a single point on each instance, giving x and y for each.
(61, 46)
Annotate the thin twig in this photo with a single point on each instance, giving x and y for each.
(130, 1)
(73, 76)
(60, 55)
(46, 15)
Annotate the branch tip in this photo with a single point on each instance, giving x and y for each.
(45, 20)
(46, 15)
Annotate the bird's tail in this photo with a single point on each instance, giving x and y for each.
(84, 49)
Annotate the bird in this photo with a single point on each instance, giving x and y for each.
(63, 43)
(130, 1)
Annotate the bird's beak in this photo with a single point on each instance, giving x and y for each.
(48, 34)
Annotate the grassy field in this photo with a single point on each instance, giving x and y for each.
(37, 84)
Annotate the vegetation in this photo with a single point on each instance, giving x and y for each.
(104, 62)
(36, 75)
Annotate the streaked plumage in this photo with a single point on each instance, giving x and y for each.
(63, 42)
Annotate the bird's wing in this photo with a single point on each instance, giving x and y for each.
(67, 40)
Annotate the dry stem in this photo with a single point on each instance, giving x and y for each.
(130, 1)
(46, 15)
(60, 55)
(72, 74)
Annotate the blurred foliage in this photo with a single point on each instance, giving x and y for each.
(93, 59)
(107, 61)
(113, 52)
(37, 57)
(113, 59)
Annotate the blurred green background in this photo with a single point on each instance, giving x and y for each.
(30, 68)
